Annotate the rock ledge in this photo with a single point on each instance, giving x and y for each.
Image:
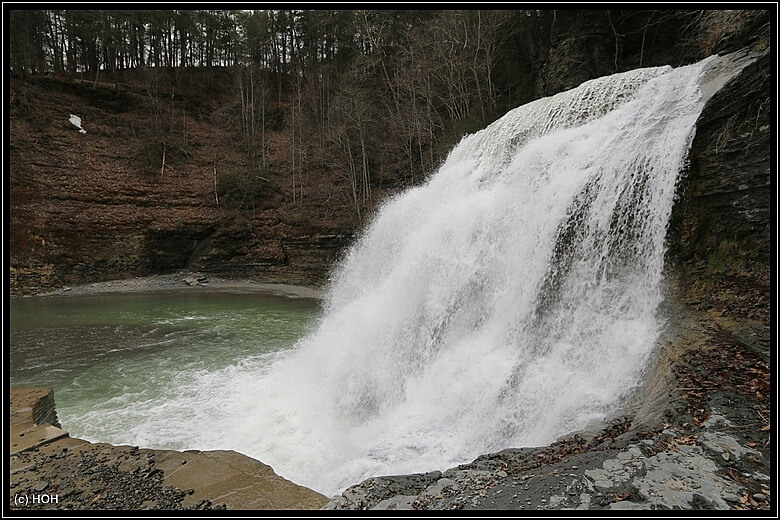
(50, 470)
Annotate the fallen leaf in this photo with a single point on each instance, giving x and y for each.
(689, 440)
(736, 476)
(622, 496)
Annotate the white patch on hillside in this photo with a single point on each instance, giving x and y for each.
(76, 120)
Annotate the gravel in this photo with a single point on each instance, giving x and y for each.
(93, 477)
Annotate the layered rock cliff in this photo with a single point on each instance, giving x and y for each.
(85, 207)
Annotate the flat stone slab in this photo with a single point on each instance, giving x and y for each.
(28, 436)
(240, 482)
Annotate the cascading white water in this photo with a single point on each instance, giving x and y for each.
(510, 300)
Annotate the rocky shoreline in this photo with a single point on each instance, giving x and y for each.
(60, 472)
(697, 437)
(50, 470)
(181, 280)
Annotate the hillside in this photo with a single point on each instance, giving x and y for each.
(100, 205)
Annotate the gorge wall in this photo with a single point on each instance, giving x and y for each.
(88, 207)
(721, 233)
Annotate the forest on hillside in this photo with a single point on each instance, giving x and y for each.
(376, 96)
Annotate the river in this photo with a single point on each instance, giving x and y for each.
(115, 359)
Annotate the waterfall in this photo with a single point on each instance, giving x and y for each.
(510, 300)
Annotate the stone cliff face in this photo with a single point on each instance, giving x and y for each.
(561, 49)
(728, 190)
(720, 239)
(305, 260)
(85, 207)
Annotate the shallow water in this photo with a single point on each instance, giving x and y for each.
(114, 357)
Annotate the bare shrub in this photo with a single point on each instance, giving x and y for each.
(716, 26)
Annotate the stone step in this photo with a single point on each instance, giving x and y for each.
(28, 436)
